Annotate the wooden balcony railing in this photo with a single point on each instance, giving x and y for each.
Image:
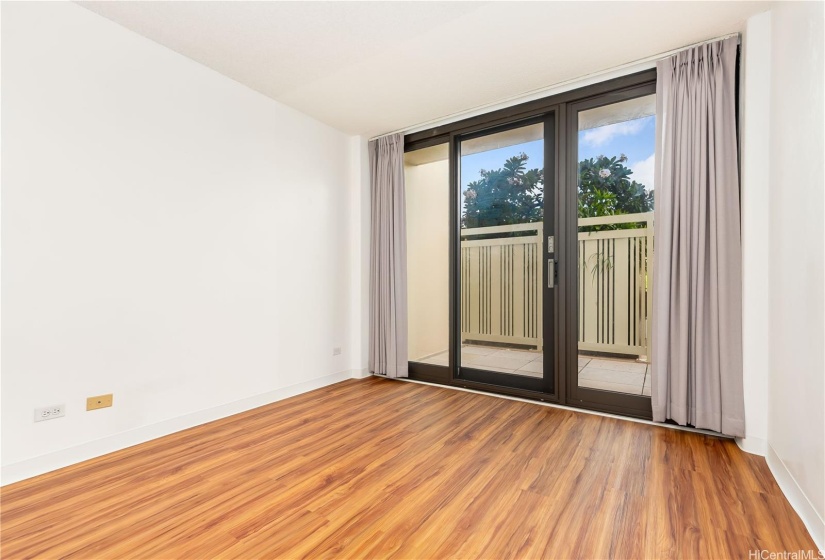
(501, 295)
(502, 276)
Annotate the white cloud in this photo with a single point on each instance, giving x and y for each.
(643, 171)
(597, 136)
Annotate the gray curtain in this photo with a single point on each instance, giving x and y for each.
(388, 258)
(697, 282)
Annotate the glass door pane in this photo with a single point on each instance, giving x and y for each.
(616, 147)
(501, 272)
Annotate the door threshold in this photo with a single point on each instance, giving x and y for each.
(566, 407)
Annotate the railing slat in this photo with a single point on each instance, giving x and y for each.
(617, 219)
(606, 234)
(532, 226)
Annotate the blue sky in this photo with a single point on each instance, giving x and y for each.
(635, 139)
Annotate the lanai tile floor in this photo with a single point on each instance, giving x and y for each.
(608, 374)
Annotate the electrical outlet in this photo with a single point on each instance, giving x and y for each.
(49, 412)
(336, 351)
(101, 401)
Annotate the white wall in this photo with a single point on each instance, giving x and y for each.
(783, 244)
(428, 274)
(169, 236)
(754, 124)
(796, 383)
(359, 211)
(784, 250)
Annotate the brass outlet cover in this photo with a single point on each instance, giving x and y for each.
(101, 401)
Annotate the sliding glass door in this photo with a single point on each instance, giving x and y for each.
(531, 246)
(504, 217)
(612, 142)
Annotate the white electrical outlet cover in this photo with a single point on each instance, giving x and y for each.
(49, 412)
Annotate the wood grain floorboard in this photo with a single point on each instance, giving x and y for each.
(383, 469)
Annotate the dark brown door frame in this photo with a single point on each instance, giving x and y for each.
(545, 388)
(441, 134)
(565, 345)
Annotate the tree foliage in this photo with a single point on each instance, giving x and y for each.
(513, 194)
(606, 188)
(510, 195)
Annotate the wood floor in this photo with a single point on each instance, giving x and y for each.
(377, 469)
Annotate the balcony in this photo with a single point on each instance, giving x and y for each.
(501, 301)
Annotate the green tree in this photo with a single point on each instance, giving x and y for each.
(510, 195)
(513, 194)
(606, 188)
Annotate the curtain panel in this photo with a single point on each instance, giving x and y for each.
(388, 258)
(697, 287)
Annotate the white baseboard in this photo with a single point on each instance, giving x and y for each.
(89, 450)
(359, 373)
(753, 445)
(797, 498)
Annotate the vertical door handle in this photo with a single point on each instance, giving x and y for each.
(551, 273)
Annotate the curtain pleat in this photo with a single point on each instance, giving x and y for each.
(697, 286)
(388, 258)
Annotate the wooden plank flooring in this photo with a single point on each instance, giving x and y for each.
(384, 469)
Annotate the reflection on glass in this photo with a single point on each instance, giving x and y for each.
(616, 150)
(427, 185)
(501, 212)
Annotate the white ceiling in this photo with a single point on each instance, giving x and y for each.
(372, 67)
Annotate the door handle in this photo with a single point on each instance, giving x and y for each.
(551, 273)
